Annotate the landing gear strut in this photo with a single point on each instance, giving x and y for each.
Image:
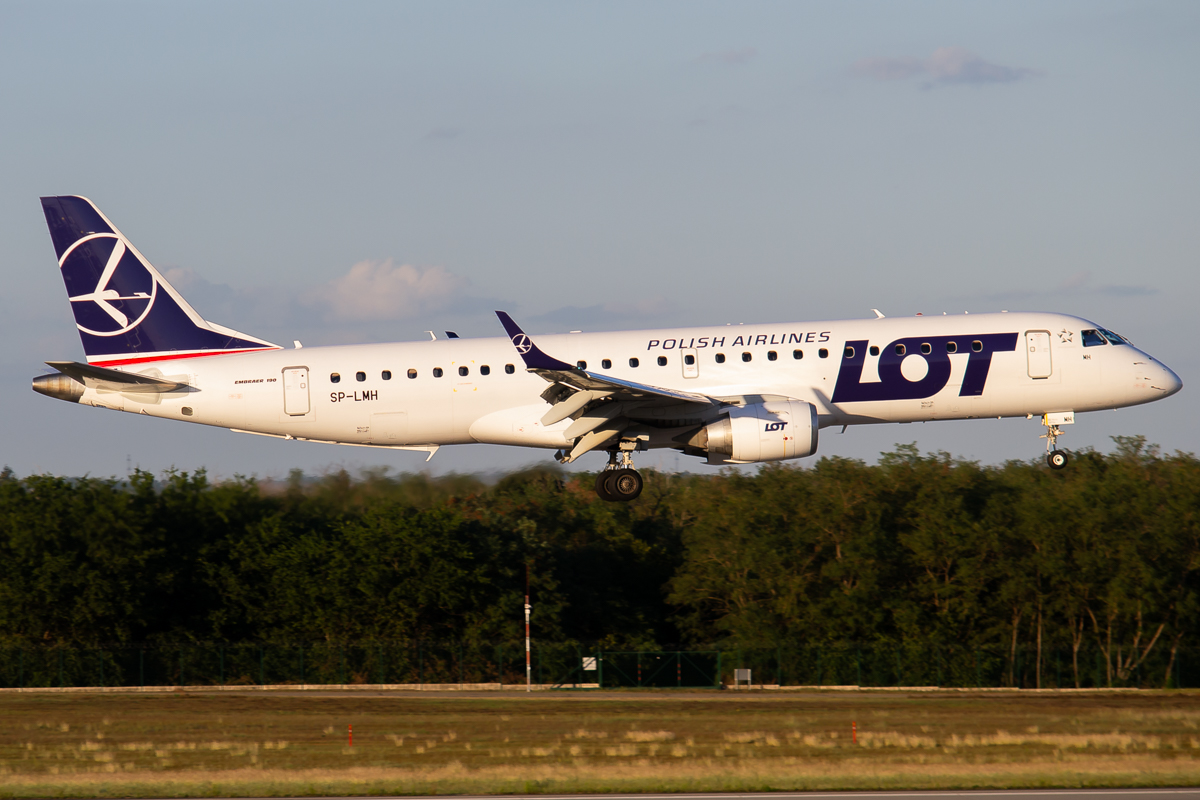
(619, 481)
(1057, 459)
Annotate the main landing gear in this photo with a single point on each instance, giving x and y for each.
(619, 481)
(1057, 459)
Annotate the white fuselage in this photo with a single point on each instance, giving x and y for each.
(292, 393)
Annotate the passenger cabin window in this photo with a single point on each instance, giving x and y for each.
(581, 364)
(509, 369)
(823, 353)
(849, 353)
(874, 350)
(977, 346)
(463, 371)
(1093, 339)
(797, 354)
(412, 373)
(485, 370)
(720, 358)
(772, 355)
(951, 347)
(360, 376)
(437, 372)
(925, 348)
(633, 362)
(662, 361)
(899, 349)
(746, 356)
(606, 363)
(335, 378)
(386, 375)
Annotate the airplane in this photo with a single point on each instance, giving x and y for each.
(741, 394)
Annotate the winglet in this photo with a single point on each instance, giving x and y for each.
(534, 358)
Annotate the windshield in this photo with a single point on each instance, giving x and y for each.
(1093, 338)
(1114, 338)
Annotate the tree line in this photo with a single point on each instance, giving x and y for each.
(918, 550)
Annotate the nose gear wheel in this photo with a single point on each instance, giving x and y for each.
(1057, 459)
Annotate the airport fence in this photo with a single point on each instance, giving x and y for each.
(572, 665)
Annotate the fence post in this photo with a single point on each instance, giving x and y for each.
(599, 669)
(717, 679)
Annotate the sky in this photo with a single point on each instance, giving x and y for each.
(364, 172)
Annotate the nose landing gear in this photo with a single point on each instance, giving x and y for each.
(1057, 459)
(619, 481)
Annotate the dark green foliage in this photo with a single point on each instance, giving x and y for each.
(920, 553)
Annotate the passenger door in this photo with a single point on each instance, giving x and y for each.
(295, 391)
(1037, 346)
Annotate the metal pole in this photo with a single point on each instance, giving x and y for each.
(528, 663)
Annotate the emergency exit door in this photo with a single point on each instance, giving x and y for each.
(295, 391)
(691, 362)
(1037, 346)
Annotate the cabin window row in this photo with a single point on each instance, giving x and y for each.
(690, 360)
(926, 349)
(438, 372)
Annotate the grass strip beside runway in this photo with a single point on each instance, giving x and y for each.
(298, 744)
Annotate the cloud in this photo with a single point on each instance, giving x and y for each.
(733, 58)
(443, 134)
(381, 290)
(1079, 284)
(947, 65)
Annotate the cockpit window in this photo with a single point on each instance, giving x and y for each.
(1092, 339)
(1112, 337)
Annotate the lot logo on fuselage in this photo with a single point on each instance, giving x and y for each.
(935, 350)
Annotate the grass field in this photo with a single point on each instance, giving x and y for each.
(129, 745)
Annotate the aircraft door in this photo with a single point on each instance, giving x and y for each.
(295, 391)
(1037, 346)
(691, 362)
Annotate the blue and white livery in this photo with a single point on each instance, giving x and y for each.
(730, 395)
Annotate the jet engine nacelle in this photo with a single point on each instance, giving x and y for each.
(769, 431)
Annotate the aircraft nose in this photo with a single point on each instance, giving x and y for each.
(1168, 381)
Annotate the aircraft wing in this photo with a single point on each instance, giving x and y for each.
(114, 380)
(599, 403)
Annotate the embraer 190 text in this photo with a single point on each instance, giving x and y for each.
(731, 395)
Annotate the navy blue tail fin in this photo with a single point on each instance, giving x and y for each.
(124, 308)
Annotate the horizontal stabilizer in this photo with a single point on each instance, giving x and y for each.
(114, 380)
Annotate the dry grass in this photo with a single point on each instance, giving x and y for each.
(297, 744)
